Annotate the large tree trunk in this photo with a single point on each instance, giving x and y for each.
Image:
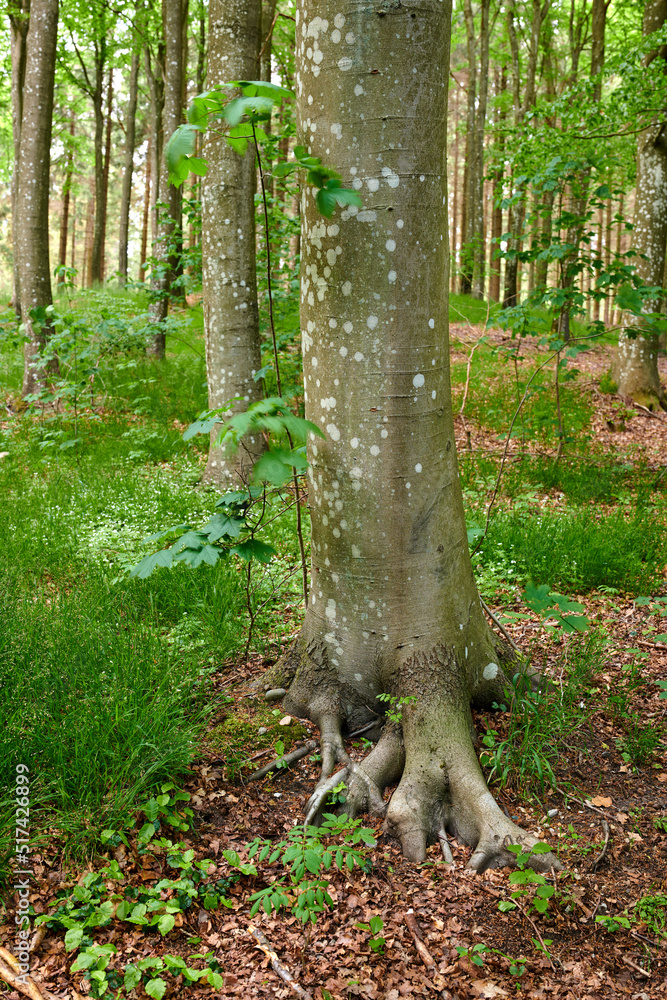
(174, 13)
(19, 20)
(128, 168)
(637, 362)
(394, 607)
(32, 202)
(231, 321)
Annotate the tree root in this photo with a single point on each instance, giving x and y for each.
(285, 761)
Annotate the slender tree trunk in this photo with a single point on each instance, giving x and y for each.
(393, 607)
(231, 321)
(455, 191)
(174, 13)
(517, 213)
(472, 165)
(88, 239)
(154, 67)
(105, 173)
(19, 20)
(73, 250)
(128, 167)
(32, 199)
(477, 227)
(147, 205)
(607, 255)
(97, 95)
(637, 363)
(67, 188)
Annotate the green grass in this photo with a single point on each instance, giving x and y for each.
(106, 680)
(578, 550)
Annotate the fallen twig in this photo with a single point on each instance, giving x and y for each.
(422, 950)
(285, 761)
(37, 938)
(276, 964)
(532, 923)
(499, 624)
(601, 856)
(651, 645)
(633, 965)
(10, 971)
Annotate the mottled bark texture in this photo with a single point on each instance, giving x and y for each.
(637, 361)
(174, 15)
(231, 321)
(19, 21)
(32, 199)
(393, 605)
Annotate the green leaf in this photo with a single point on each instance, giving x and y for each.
(331, 195)
(215, 980)
(540, 848)
(313, 861)
(147, 565)
(506, 906)
(132, 977)
(73, 937)
(181, 145)
(254, 549)
(166, 923)
(156, 988)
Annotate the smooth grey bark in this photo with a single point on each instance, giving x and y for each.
(637, 360)
(154, 69)
(393, 606)
(33, 168)
(231, 319)
(128, 166)
(19, 21)
(174, 16)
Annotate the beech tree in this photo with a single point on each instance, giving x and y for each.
(393, 606)
(174, 19)
(32, 195)
(637, 362)
(231, 318)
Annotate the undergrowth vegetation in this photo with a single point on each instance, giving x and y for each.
(107, 681)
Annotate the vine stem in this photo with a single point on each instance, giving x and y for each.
(274, 341)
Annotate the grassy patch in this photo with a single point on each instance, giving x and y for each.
(579, 550)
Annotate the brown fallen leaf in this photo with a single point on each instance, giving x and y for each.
(602, 801)
(485, 988)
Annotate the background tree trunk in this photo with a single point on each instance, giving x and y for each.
(97, 95)
(33, 183)
(128, 167)
(19, 21)
(231, 319)
(174, 13)
(637, 362)
(393, 607)
(67, 189)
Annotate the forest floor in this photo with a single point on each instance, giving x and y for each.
(605, 809)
